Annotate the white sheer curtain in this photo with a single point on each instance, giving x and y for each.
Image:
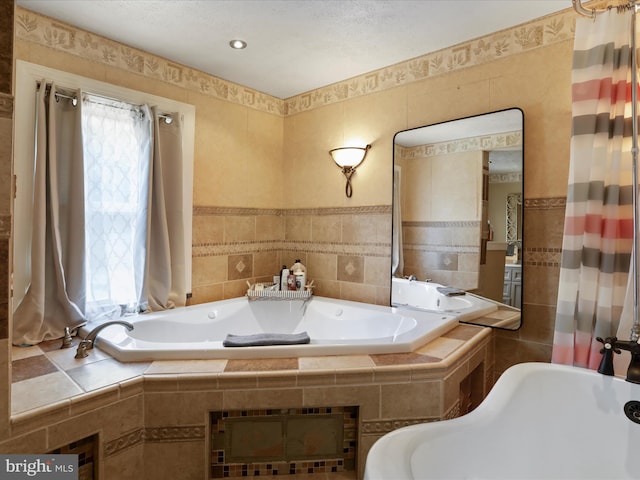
(117, 153)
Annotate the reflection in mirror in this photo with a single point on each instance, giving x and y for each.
(457, 211)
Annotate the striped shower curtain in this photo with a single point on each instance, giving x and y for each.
(598, 228)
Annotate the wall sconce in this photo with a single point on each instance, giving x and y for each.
(348, 159)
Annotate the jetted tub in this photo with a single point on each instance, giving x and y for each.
(335, 327)
(540, 421)
(425, 296)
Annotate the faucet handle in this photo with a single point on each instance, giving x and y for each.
(607, 351)
(67, 341)
(69, 333)
(83, 346)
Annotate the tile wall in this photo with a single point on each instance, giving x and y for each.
(346, 250)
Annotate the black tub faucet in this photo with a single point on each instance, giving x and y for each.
(612, 345)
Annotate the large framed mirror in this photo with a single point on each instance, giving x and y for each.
(457, 207)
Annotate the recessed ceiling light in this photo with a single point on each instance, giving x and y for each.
(238, 44)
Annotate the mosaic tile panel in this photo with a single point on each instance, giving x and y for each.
(283, 441)
(87, 451)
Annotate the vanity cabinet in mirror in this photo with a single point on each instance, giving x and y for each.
(457, 210)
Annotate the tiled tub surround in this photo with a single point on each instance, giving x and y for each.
(153, 418)
(347, 250)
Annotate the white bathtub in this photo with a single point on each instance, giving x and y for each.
(540, 421)
(336, 327)
(425, 296)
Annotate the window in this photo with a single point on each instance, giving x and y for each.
(115, 180)
(116, 138)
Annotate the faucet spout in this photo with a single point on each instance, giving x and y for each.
(88, 341)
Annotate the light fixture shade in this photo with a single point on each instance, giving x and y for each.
(349, 156)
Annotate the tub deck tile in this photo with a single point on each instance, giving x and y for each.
(186, 366)
(330, 362)
(261, 365)
(402, 359)
(31, 367)
(463, 332)
(441, 347)
(103, 373)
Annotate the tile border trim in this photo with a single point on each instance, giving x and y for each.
(202, 210)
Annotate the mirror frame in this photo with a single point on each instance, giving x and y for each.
(512, 222)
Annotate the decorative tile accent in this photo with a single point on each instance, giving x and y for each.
(542, 257)
(122, 443)
(350, 269)
(203, 210)
(386, 426)
(545, 203)
(239, 267)
(468, 223)
(363, 210)
(165, 434)
(174, 434)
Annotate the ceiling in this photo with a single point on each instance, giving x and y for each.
(294, 46)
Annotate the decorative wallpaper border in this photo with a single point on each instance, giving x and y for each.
(510, 177)
(522, 38)
(470, 144)
(42, 30)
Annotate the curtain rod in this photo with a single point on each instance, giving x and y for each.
(580, 9)
(168, 119)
